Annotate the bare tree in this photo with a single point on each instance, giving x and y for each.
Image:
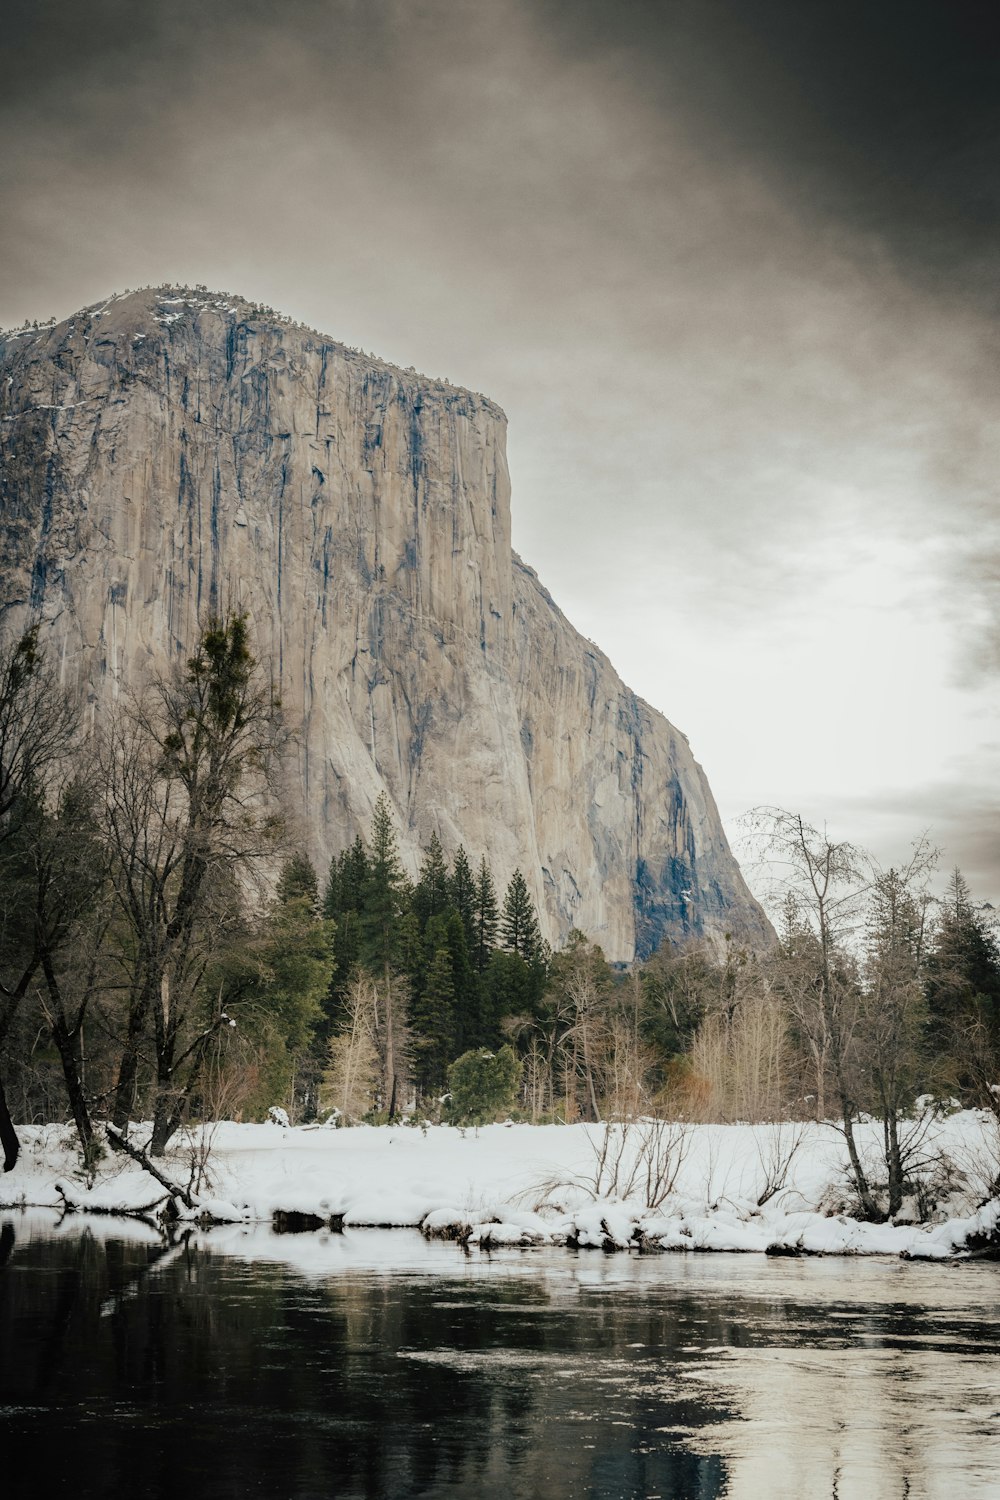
(72, 918)
(739, 1053)
(824, 883)
(189, 773)
(579, 1005)
(37, 725)
(354, 1074)
(894, 1011)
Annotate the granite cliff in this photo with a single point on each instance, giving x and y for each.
(172, 453)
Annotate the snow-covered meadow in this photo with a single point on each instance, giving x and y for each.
(764, 1188)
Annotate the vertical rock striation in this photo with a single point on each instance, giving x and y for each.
(171, 454)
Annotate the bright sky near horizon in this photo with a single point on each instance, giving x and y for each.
(729, 269)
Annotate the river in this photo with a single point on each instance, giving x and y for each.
(236, 1363)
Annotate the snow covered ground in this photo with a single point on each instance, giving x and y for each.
(654, 1187)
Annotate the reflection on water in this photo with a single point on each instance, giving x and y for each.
(241, 1363)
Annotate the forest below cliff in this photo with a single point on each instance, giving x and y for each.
(168, 954)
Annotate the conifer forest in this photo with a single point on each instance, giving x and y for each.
(168, 954)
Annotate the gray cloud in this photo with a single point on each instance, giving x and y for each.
(957, 819)
(729, 268)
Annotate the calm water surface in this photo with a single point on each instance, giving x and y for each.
(240, 1363)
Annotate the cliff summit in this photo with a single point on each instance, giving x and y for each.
(171, 453)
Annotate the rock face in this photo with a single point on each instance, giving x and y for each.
(172, 454)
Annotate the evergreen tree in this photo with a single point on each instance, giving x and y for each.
(431, 895)
(519, 932)
(385, 893)
(433, 1022)
(411, 953)
(298, 881)
(486, 918)
(386, 899)
(467, 1027)
(483, 1084)
(964, 965)
(346, 881)
(963, 994)
(342, 903)
(462, 895)
(510, 987)
(331, 891)
(273, 984)
(354, 875)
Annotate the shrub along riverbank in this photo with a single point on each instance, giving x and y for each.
(649, 1185)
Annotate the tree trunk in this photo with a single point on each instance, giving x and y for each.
(390, 1051)
(68, 1046)
(8, 1135)
(871, 1209)
(126, 1088)
(894, 1161)
(596, 1113)
(819, 1062)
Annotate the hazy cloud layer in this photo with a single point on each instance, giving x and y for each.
(730, 269)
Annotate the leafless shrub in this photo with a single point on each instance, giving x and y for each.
(740, 1057)
(777, 1147)
(638, 1158)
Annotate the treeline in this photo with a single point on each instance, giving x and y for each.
(423, 972)
(151, 969)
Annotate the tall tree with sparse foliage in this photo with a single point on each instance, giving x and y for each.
(37, 726)
(190, 814)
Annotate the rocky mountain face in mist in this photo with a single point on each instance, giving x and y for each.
(171, 454)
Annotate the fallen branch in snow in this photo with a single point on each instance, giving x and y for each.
(119, 1143)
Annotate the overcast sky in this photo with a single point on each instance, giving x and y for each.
(730, 267)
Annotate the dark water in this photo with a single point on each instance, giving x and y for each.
(239, 1363)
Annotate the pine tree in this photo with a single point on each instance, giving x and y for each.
(468, 1019)
(384, 895)
(386, 899)
(331, 891)
(483, 1084)
(519, 931)
(342, 903)
(353, 875)
(486, 918)
(298, 881)
(462, 894)
(274, 983)
(510, 987)
(431, 895)
(963, 984)
(433, 1021)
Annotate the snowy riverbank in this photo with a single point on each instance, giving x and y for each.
(652, 1187)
